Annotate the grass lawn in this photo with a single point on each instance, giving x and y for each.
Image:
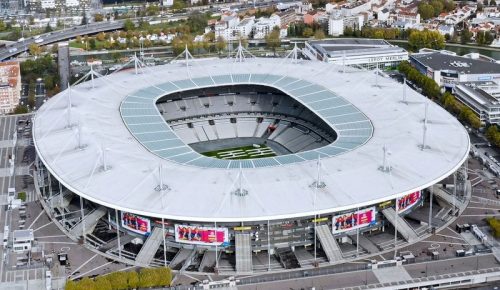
(245, 152)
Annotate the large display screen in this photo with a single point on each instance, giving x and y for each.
(136, 223)
(201, 235)
(354, 220)
(407, 201)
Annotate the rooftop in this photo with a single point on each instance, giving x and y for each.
(485, 93)
(23, 235)
(462, 65)
(279, 191)
(336, 47)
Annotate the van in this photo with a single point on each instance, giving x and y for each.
(5, 236)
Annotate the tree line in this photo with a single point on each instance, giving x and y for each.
(493, 135)
(431, 89)
(145, 278)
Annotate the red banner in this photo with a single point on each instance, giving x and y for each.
(407, 201)
(200, 235)
(353, 220)
(135, 223)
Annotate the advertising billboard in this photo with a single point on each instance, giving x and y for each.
(354, 220)
(201, 235)
(407, 201)
(135, 223)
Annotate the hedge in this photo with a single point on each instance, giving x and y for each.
(495, 226)
(146, 278)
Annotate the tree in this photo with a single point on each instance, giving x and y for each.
(197, 22)
(70, 284)
(118, 280)
(426, 10)
(86, 284)
(101, 36)
(92, 43)
(308, 32)
(35, 49)
(465, 36)
(319, 34)
(426, 38)
(85, 21)
(273, 39)
(48, 28)
(54, 48)
(132, 279)
(164, 276)
(98, 17)
(178, 5)
(31, 94)
(348, 31)
(23, 109)
(220, 44)
(210, 37)
(148, 277)
(128, 25)
(152, 10)
(438, 6)
(102, 283)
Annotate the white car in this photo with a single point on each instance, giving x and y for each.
(20, 39)
(39, 40)
(14, 49)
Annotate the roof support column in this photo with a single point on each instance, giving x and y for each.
(357, 233)
(50, 191)
(431, 196)
(117, 219)
(268, 246)
(62, 202)
(83, 220)
(396, 213)
(164, 242)
(216, 251)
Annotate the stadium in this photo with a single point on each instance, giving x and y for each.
(245, 165)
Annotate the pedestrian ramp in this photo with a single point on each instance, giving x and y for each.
(148, 250)
(365, 243)
(404, 228)
(330, 246)
(243, 253)
(442, 194)
(89, 221)
(180, 258)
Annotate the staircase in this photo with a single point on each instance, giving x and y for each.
(243, 253)
(404, 228)
(148, 250)
(330, 246)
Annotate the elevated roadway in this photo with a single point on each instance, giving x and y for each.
(18, 47)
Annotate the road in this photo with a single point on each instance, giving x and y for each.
(96, 27)
(65, 34)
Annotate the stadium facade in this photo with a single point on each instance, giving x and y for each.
(335, 156)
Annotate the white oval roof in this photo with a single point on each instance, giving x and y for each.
(203, 191)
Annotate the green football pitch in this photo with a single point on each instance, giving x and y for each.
(245, 152)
